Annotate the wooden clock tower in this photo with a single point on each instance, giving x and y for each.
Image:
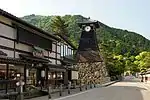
(88, 50)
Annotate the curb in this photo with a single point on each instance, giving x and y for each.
(107, 84)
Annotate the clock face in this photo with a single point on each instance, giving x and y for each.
(87, 28)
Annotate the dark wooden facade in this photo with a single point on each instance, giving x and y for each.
(27, 53)
(30, 54)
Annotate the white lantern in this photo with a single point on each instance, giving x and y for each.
(40, 65)
(18, 75)
(27, 72)
(42, 73)
(54, 76)
(49, 76)
(18, 83)
(32, 65)
(22, 83)
(61, 75)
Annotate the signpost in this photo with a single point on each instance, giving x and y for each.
(69, 86)
(49, 92)
(20, 84)
(61, 89)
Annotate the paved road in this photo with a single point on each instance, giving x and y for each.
(118, 91)
(127, 90)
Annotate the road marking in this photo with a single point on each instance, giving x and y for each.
(73, 95)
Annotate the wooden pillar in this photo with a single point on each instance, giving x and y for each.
(7, 71)
(66, 77)
(38, 75)
(56, 53)
(63, 51)
(56, 78)
(25, 74)
(47, 76)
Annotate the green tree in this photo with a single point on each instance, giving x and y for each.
(59, 26)
(143, 61)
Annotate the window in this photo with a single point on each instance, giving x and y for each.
(66, 50)
(62, 50)
(71, 52)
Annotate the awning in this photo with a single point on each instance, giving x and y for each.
(10, 60)
(68, 61)
(72, 68)
(2, 53)
(53, 67)
(34, 59)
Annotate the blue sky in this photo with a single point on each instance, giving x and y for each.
(132, 15)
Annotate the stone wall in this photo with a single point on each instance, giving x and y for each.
(94, 73)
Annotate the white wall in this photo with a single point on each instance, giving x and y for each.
(53, 61)
(23, 47)
(8, 52)
(58, 49)
(52, 54)
(74, 75)
(7, 31)
(45, 53)
(58, 56)
(54, 47)
(58, 62)
(6, 42)
(17, 54)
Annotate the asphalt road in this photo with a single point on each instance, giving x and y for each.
(118, 91)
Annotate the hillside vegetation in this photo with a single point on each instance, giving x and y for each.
(118, 47)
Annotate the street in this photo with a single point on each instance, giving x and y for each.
(118, 91)
(126, 90)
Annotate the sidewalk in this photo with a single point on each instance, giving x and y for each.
(147, 85)
(73, 91)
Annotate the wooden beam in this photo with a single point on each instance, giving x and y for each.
(7, 71)
(63, 50)
(47, 76)
(25, 75)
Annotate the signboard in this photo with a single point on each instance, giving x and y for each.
(38, 52)
(74, 75)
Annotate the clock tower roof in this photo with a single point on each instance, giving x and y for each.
(89, 23)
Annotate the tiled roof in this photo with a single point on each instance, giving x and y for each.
(12, 17)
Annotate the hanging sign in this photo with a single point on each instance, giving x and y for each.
(38, 52)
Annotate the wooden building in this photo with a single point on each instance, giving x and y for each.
(68, 51)
(30, 54)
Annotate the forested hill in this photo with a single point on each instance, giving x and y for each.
(116, 41)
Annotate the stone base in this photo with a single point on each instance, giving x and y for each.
(93, 73)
